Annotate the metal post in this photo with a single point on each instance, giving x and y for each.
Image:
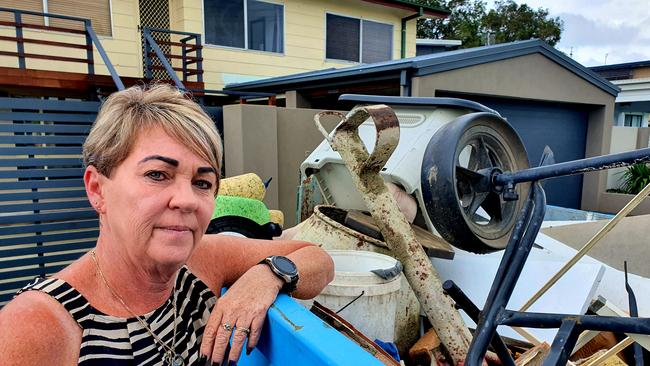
(161, 56)
(509, 270)
(20, 46)
(184, 58)
(199, 62)
(89, 49)
(147, 51)
(463, 302)
(563, 344)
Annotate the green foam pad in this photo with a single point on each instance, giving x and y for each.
(249, 208)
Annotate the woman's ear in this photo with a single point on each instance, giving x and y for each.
(94, 180)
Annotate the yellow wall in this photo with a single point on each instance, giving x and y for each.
(304, 41)
(123, 46)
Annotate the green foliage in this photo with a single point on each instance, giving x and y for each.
(471, 23)
(635, 178)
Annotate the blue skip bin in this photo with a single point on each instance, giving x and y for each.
(294, 336)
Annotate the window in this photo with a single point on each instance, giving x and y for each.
(249, 24)
(633, 120)
(358, 40)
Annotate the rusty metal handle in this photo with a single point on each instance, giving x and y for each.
(387, 136)
(322, 129)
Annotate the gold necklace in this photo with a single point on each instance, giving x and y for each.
(171, 357)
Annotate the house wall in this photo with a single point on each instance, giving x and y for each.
(304, 39)
(271, 142)
(536, 77)
(123, 47)
(624, 139)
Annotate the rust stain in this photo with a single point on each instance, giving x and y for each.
(295, 327)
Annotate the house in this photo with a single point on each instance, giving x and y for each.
(631, 113)
(242, 40)
(633, 102)
(60, 58)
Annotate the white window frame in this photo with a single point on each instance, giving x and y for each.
(245, 48)
(361, 19)
(640, 115)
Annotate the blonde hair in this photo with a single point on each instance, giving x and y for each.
(129, 112)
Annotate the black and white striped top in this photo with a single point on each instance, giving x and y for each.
(109, 340)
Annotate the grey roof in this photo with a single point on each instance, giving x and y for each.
(426, 65)
(627, 65)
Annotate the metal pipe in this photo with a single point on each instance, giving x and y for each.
(587, 322)
(404, 20)
(463, 302)
(574, 167)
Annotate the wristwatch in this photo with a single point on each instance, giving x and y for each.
(284, 268)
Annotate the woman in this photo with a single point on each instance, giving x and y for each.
(147, 293)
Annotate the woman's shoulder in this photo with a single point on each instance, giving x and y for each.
(41, 331)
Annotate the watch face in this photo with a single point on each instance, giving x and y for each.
(285, 265)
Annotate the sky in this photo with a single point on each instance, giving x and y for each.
(599, 32)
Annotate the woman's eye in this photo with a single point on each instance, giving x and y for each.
(203, 184)
(156, 175)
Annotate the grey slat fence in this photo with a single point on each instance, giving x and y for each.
(46, 220)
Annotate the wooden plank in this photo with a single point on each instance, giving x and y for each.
(58, 58)
(42, 27)
(46, 43)
(434, 246)
(534, 356)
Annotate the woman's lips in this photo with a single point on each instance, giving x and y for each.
(176, 229)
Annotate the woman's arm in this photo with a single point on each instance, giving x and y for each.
(234, 262)
(221, 260)
(37, 330)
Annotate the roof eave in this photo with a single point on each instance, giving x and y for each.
(427, 10)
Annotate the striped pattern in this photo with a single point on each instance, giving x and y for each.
(109, 340)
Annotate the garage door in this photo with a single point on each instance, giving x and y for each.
(561, 126)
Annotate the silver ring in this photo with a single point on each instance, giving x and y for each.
(227, 327)
(242, 329)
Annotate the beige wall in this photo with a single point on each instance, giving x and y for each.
(271, 142)
(625, 139)
(628, 241)
(536, 77)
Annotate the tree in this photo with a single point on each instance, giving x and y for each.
(471, 23)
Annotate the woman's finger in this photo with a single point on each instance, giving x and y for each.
(221, 340)
(210, 332)
(239, 339)
(256, 331)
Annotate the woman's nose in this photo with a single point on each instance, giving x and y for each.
(183, 196)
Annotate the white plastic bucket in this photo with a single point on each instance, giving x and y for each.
(374, 312)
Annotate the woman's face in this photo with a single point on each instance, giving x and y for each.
(158, 202)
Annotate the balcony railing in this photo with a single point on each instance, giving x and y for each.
(187, 49)
(91, 40)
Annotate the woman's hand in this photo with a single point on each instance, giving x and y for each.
(241, 311)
